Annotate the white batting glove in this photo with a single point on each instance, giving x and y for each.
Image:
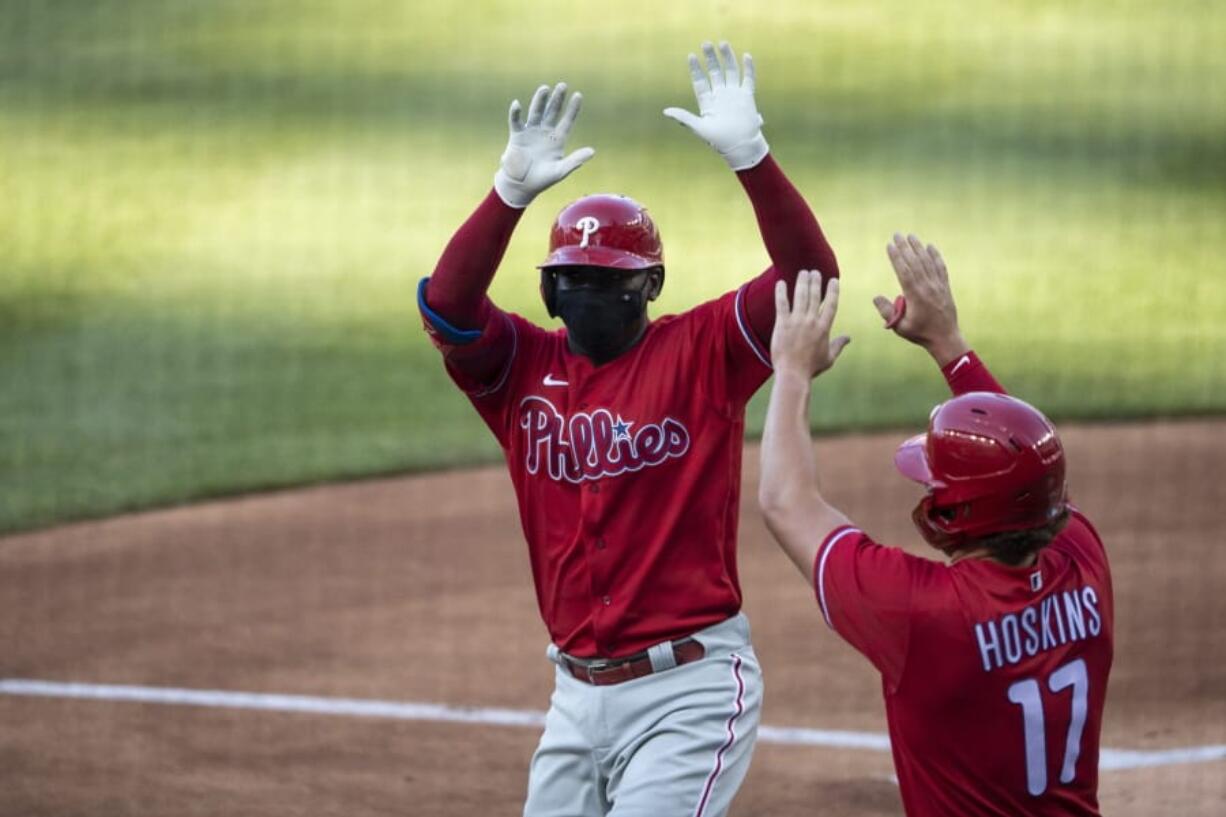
(728, 118)
(533, 160)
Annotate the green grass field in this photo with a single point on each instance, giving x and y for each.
(215, 214)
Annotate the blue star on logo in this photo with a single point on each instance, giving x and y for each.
(621, 429)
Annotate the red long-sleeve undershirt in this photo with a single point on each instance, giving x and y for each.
(794, 241)
(968, 373)
(464, 271)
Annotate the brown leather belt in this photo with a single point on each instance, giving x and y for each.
(601, 672)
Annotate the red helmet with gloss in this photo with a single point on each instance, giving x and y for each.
(991, 463)
(604, 230)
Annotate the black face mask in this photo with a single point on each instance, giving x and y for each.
(602, 322)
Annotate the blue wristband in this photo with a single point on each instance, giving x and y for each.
(449, 333)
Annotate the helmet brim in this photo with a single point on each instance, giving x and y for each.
(911, 460)
(609, 257)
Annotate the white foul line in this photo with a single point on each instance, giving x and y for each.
(412, 711)
(353, 707)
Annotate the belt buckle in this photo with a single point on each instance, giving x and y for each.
(596, 666)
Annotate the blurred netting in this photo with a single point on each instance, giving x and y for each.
(213, 216)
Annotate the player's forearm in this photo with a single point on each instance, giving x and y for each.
(789, 470)
(793, 238)
(457, 287)
(947, 349)
(967, 373)
(793, 507)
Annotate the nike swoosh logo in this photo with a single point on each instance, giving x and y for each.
(965, 360)
(550, 381)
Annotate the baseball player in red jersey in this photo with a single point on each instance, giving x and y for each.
(994, 665)
(623, 439)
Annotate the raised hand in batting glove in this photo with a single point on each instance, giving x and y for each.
(728, 117)
(534, 160)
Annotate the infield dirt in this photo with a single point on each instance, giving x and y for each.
(417, 589)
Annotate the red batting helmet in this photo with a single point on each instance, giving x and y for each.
(991, 463)
(601, 230)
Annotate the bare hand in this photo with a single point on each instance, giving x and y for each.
(800, 343)
(929, 317)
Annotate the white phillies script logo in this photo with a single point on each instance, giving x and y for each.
(589, 225)
(595, 445)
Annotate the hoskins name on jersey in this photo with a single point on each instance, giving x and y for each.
(591, 445)
(1071, 615)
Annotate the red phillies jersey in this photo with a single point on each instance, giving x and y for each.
(994, 677)
(627, 474)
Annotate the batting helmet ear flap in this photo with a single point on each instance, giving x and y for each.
(656, 274)
(549, 291)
